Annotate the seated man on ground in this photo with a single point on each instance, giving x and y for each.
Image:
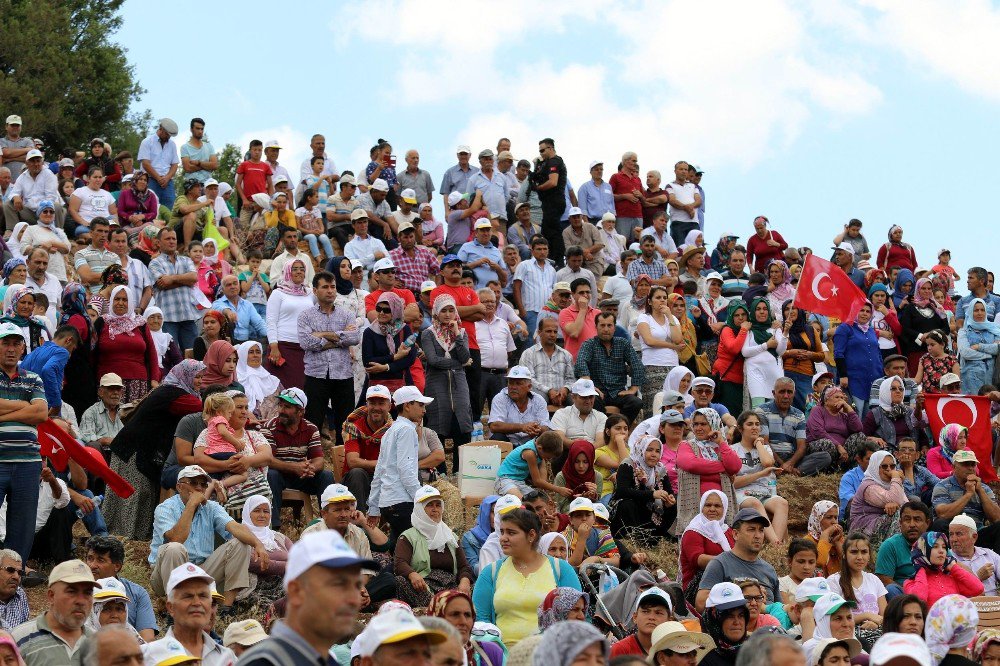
(363, 432)
(105, 557)
(517, 414)
(965, 493)
(53, 636)
(184, 531)
(743, 561)
(14, 609)
(580, 420)
(893, 564)
(784, 428)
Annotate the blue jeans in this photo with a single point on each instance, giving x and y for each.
(261, 309)
(166, 194)
(314, 245)
(19, 486)
(93, 521)
(893, 590)
(184, 332)
(531, 321)
(803, 387)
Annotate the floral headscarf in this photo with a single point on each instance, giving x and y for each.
(287, 285)
(557, 604)
(122, 324)
(183, 375)
(875, 275)
(637, 458)
(445, 337)
(114, 275)
(785, 290)
(439, 604)
(829, 392)
(951, 624)
(986, 638)
(15, 293)
(395, 324)
(819, 510)
(564, 641)
(74, 302)
(147, 238)
(948, 439)
(920, 554)
(640, 303)
(11, 264)
(931, 302)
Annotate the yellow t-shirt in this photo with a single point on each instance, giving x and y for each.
(517, 597)
(609, 485)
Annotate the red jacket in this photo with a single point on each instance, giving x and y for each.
(890, 255)
(931, 586)
(730, 347)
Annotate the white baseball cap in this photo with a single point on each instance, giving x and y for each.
(506, 504)
(192, 472)
(428, 285)
(409, 394)
(893, 645)
(595, 163)
(325, 549)
(33, 153)
(714, 275)
(336, 492)
(463, 149)
(811, 589)
(359, 214)
(724, 596)
(244, 632)
(8, 329)
(583, 388)
(110, 588)
(602, 512)
(483, 223)
(581, 504)
(455, 197)
(379, 185)
(404, 226)
(657, 594)
(409, 196)
(294, 396)
(519, 372)
(166, 652)
(853, 646)
(394, 627)
(846, 247)
(356, 264)
(426, 494)
(272, 143)
(378, 391)
(186, 572)
(575, 211)
(828, 604)
(210, 182)
(703, 381)
(383, 264)
(14, 119)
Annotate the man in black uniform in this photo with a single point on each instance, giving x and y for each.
(549, 181)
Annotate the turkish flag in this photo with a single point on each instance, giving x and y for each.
(825, 289)
(59, 446)
(971, 411)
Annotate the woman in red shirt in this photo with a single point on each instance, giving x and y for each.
(896, 253)
(125, 346)
(706, 536)
(764, 245)
(729, 361)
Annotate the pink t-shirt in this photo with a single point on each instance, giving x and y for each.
(216, 444)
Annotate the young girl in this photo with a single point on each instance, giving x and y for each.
(824, 531)
(802, 556)
(938, 573)
(578, 474)
(952, 438)
(255, 285)
(222, 441)
(756, 484)
(310, 221)
(857, 585)
(608, 457)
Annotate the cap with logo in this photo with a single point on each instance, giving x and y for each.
(192, 472)
(713, 275)
(356, 264)
(655, 595)
(384, 264)
(671, 415)
(426, 494)
(379, 185)
(325, 549)
(409, 196)
(506, 504)
(336, 492)
(891, 646)
(811, 589)
(561, 286)
(519, 372)
(272, 143)
(943, 250)
(407, 394)
(575, 211)
(244, 632)
(820, 375)
(184, 573)
(724, 596)
(378, 391)
(675, 637)
(359, 214)
(294, 396)
(583, 388)
(428, 285)
(483, 223)
(166, 652)
(14, 119)
(964, 456)
(830, 603)
(581, 504)
(112, 379)
(949, 378)
(168, 126)
(72, 571)
(671, 398)
(601, 511)
(395, 626)
(110, 588)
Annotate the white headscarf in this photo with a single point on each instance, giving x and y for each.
(160, 339)
(437, 533)
(545, 542)
(873, 464)
(672, 382)
(713, 530)
(885, 392)
(257, 382)
(265, 534)
(14, 243)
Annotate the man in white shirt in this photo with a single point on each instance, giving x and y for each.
(35, 185)
(46, 234)
(495, 343)
(290, 243)
(580, 420)
(665, 245)
(43, 282)
(684, 202)
(982, 562)
(6, 183)
(365, 248)
(140, 280)
(318, 147)
(271, 149)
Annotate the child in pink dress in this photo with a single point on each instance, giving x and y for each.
(222, 441)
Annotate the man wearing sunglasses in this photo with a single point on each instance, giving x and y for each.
(385, 278)
(13, 599)
(184, 531)
(702, 390)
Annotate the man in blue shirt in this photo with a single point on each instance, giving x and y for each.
(702, 390)
(246, 321)
(964, 492)
(456, 178)
(105, 557)
(184, 530)
(517, 414)
(852, 478)
(483, 257)
(49, 362)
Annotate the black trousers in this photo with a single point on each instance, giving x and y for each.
(474, 377)
(552, 229)
(398, 517)
(321, 393)
(491, 384)
(628, 404)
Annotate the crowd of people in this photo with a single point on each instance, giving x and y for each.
(222, 349)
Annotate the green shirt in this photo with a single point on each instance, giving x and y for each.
(894, 560)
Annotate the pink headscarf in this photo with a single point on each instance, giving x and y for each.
(287, 285)
(927, 302)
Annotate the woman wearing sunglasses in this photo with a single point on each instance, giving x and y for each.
(388, 346)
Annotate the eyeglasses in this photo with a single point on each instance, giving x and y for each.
(196, 483)
(383, 310)
(757, 599)
(13, 571)
(479, 633)
(887, 467)
(702, 389)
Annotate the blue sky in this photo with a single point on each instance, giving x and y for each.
(809, 112)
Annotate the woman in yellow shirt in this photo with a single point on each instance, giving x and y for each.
(607, 458)
(276, 221)
(509, 591)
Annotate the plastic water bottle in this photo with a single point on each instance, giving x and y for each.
(477, 431)
(772, 485)
(97, 502)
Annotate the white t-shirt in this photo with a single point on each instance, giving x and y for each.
(867, 595)
(751, 463)
(660, 356)
(685, 195)
(93, 203)
(880, 324)
(618, 288)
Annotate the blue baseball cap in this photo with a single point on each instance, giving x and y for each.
(45, 205)
(449, 258)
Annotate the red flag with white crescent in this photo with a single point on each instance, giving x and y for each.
(827, 290)
(58, 446)
(971, 411)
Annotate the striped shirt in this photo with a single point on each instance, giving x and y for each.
(19, 441)
(549, 372)
(96, 260)
(176, 303)
(536, 283)
(39, 646)
(654, 270)
(303, 444)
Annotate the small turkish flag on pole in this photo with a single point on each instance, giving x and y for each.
(825, 289)
(972, 412)
(59, 446)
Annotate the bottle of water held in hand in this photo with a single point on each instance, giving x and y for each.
(97, 502)
(477, 431)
